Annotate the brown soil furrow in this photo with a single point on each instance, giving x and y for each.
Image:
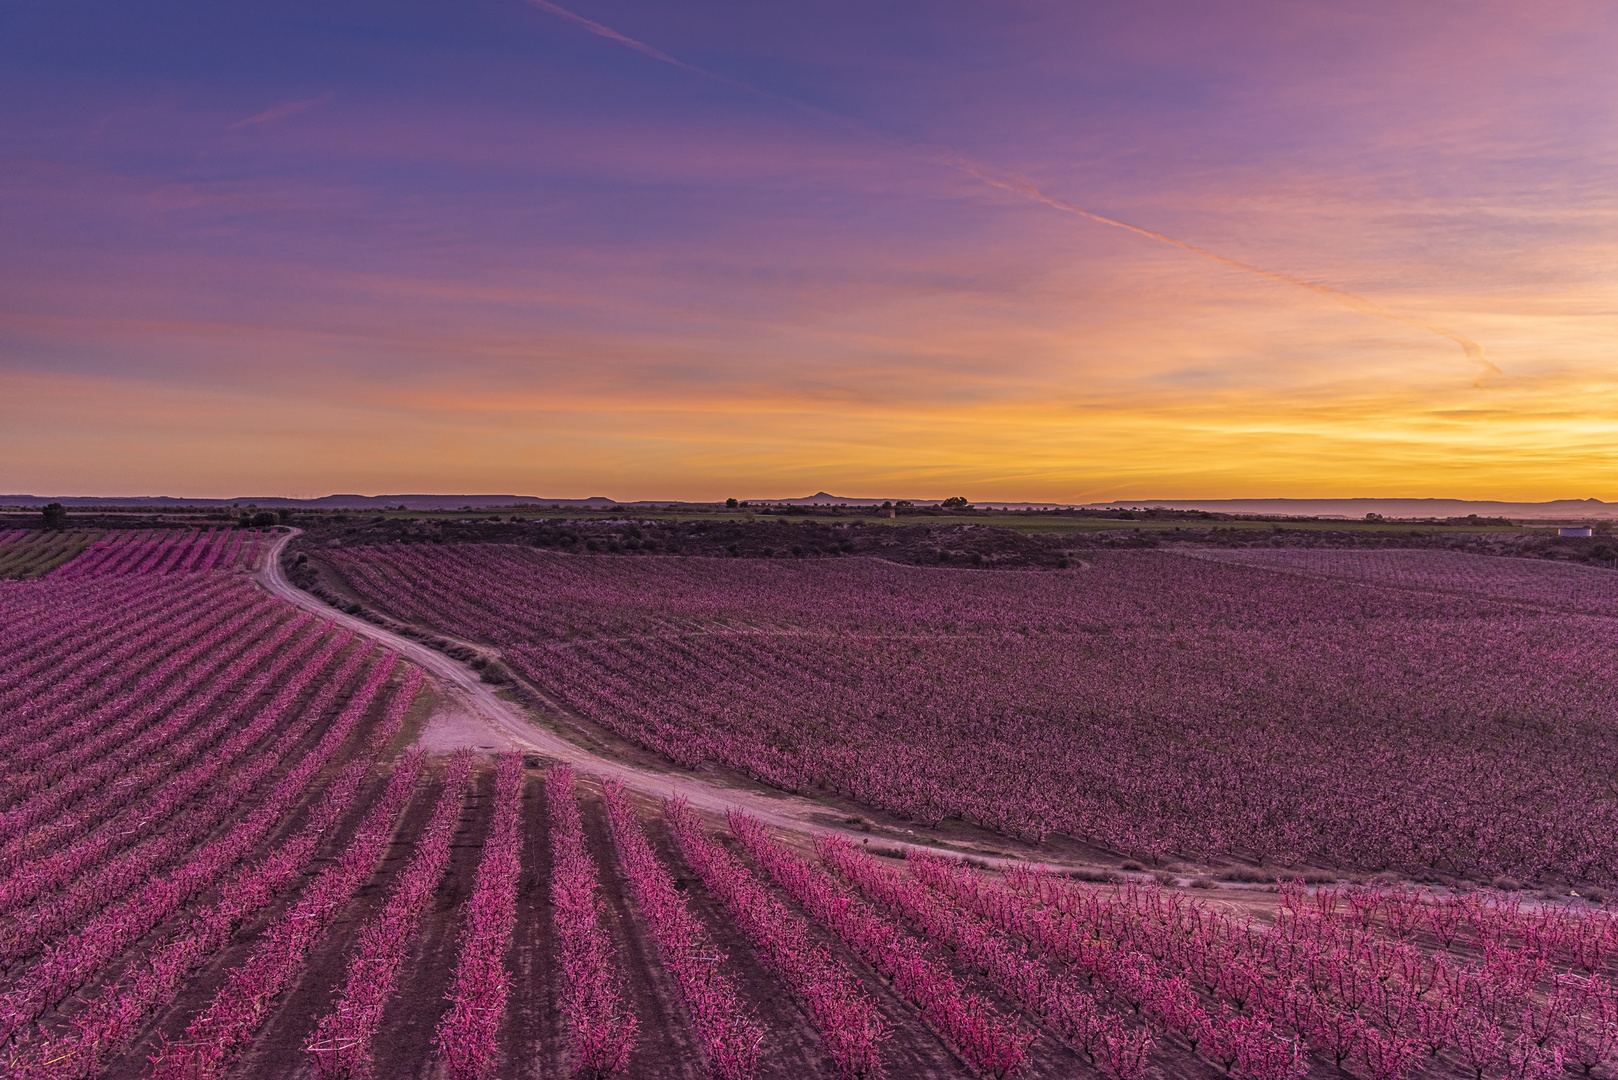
(665, 1048)
(533, 1037)
(404, 1041)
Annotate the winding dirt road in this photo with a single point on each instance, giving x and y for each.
(474, 716)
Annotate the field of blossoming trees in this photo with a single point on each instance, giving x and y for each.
(224, 858)
(1156, 705)
(1555, 586)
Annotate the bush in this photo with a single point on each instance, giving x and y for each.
(55, 515)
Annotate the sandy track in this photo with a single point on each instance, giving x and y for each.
(474, 716)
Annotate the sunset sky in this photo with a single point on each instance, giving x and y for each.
(691, 250)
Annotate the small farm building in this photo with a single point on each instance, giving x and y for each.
(1573, 530)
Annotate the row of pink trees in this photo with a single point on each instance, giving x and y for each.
(601, 1029)
(47, 634)
(726, 1029)
(848, 1021)
(214, 1038)
(466, 1033)
(164, 827)
(1070, 1009)
(992, 1043)
(111, 819)
(117, 1012)
(210, 664)
(94, 670)
(163, 552)
(77, 956)
(342, 1043)
(38, 824)
(1362, 999)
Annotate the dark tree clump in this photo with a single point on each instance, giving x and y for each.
(55, 516)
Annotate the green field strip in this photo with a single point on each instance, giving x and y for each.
(34, 557)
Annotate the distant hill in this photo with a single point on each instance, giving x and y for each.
(334, 502)
(1329, 508)
(1389, 508)
(1574, 509)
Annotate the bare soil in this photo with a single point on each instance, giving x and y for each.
(404, 1046)
(664, 1047)
(533, 1037)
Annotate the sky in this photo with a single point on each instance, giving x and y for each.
(1021, 250)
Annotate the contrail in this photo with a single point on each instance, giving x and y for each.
(992, 177)
(982, 173)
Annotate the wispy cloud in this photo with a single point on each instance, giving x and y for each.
(282, 111)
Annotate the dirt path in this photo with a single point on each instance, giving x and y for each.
(472, 715)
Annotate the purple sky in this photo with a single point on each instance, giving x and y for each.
(295, 248)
